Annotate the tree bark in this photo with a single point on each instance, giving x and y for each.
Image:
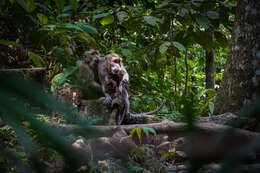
(210, 70)
(241, 79)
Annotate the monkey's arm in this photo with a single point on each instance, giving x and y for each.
(104, 82)
(125, 78)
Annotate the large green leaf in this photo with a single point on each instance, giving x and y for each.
(36, 59)
(164, 47)
(178, 46)
(98, 16)
(107, 20)
(88, 28)
(151, 20)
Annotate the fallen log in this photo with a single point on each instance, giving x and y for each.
(208, 141)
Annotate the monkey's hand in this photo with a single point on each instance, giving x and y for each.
(124, 82)
(108, 99)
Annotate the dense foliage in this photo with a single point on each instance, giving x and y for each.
(160, 42)
(163, 44)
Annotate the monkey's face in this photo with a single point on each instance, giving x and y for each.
(92, 57)
(115, 65)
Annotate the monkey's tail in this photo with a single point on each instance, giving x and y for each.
(154, 111)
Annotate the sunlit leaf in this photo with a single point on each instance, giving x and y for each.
(138, 131)
(36, 59)
(42, 18)
(107, 20)
(31, 5)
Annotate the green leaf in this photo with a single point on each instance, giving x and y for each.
(211, 92)
(31, 5)
(88, 28)
(164, 47)
(163, 144)
(36, 59)
(164, 4)
(74, 4)
(122, 16)
(72, 26)
(8, 43)
(211, 107)
(107, 20)
(67, 73)
(138, 131)
(213, 15)
(198, 96)
(11, 1)
(178, 46)
(151, 20)
(23, 4)
(147, 130)
(42, 18)
(203, 21)
(100, 15)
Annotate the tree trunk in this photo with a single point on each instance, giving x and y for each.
(241, 79)
(210, 70)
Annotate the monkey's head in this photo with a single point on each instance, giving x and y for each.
(91, 57)
(114, 63)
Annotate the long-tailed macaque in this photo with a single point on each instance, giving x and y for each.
(113, 70)
(88, 73)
